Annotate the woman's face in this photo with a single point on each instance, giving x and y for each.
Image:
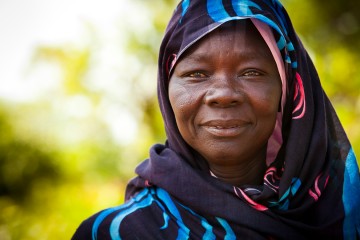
(225, 93)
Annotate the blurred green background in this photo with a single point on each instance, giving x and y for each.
(78, 108)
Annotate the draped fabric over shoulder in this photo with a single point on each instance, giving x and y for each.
(311, 187)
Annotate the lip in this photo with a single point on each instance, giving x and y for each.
(225, 128)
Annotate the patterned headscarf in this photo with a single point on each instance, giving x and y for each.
(311, 187)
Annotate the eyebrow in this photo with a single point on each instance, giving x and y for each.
(247, 55)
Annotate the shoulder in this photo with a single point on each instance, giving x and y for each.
(125, 221)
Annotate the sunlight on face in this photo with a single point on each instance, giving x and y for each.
(225, 93)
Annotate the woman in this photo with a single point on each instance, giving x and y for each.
(254, 150)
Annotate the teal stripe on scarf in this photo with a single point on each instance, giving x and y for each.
(208, 235)
(107, 212)
(184, 231)
(115, 224)
(217, 11)
(230, 235)
(351, 197)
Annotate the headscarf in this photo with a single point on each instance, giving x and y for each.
(311, 186)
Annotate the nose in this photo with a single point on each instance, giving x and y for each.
(224, 93)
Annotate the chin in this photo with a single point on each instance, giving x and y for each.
(224, 158)
(232, 157)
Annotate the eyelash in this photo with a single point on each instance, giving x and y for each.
(252, 73)
(199, 74)
(196, 74)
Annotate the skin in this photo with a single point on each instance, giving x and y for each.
(225, 92)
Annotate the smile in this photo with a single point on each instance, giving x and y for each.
(222, 128)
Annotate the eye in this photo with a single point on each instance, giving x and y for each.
(252, 73)
(197, 75)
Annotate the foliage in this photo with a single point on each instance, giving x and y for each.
(60, 161)
(18, 175)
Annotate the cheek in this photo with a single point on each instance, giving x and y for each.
(179, 98)
(266, 100)
(183, 101)
(184, 104)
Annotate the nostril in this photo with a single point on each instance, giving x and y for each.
(223, 97)
(233, 103)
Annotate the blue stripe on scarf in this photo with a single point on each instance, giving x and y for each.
(115, 224)
(107, 212)
(290, 47)
(281, 43)
(283, 203)
(287, 59)
(280, 13)
(351, 197)
(143, 199)
(268, 21)
(185, 5)
(217, 11)
(208, 228)
(166, 220)
(183, 232)
(242, 8)
(230, 235)
(276, 7)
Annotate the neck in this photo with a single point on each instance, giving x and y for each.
(246, 173)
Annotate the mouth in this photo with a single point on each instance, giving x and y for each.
(225, 128)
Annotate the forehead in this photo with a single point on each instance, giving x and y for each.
(240, 37)
(233, 36)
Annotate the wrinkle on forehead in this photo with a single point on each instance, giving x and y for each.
(228, 35)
